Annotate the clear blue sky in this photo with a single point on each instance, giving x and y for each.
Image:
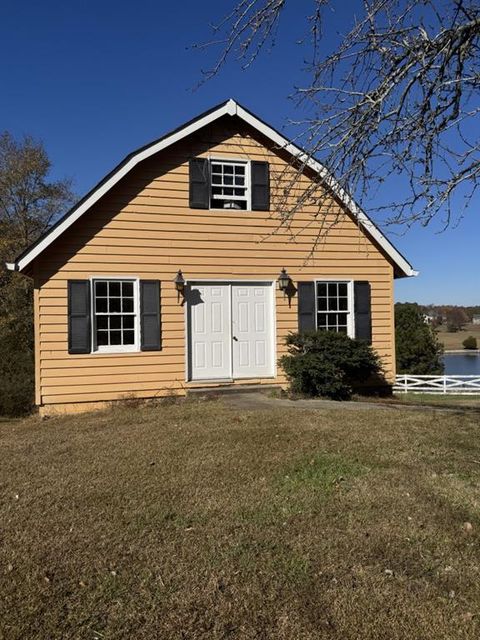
(96, 79)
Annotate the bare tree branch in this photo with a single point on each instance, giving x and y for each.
(396, 100)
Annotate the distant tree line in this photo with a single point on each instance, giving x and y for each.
(453, 317)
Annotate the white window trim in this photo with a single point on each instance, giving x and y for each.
(351, 302)
(248, 182)
(117, 348)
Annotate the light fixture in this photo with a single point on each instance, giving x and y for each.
(283, 280)
(179, 282)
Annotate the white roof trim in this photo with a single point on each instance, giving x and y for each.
(228, 108)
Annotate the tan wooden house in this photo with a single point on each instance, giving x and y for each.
(115, 317)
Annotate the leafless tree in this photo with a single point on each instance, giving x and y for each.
(396, 100)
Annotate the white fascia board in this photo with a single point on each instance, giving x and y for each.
(118, 175)
(351, 205)
(229, 108)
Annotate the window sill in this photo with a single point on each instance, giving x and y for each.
(230, 210)
(111, 352)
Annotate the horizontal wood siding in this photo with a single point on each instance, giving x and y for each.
(145, 228)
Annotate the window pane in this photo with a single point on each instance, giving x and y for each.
(114, 305)
(321, 289)
(228, 180)
(239, 192)
(227, 191)
(239, 181)
(332, 289)
(342, 329)
(240, 169)
(102, 322)
(100, 288)
(321, 320)
(127, 305)
(216, 179)
(216, 168)
(128, 337)
(102, 338)
(342, 318)
(115, 322)
(342, 289)
(343, 304)
(101, 305)
(115, 337)
(332, 303)
(227, 169)
(127, 289)
(128, 322)
(114, 288)
(322, 304)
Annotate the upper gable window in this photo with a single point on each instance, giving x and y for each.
(229, 184)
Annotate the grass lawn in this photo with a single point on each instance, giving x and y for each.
(441, 399)
(202, 521)
(454, 340)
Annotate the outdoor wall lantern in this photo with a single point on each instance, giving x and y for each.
(283, 280)
(179, 282)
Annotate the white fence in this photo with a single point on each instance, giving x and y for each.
(461, 385)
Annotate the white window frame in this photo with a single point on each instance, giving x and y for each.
(351, 308)
(117, 348)
(248, 181)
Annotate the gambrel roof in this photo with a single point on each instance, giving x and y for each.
(228, 108)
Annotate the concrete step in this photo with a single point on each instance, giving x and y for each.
(232, 389)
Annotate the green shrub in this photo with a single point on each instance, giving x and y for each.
(330, 364)
(470, 342)
(17, 375)
(417, 348)
(16, 345)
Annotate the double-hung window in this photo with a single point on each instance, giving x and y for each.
(115, 315)
(229, 182)
(334, 306)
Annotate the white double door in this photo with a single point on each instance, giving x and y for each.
(230, 330)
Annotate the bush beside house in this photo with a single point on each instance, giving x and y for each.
(329, 364)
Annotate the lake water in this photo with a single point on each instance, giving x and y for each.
(462, 364)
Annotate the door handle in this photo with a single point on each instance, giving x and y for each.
(235, 338)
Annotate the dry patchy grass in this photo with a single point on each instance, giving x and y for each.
(198, 521)
(451, 400)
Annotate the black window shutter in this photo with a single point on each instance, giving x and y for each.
(306, 306)
(363, 311)
(260, 186)
(150, 328)
(199, 172)
(79, 316)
